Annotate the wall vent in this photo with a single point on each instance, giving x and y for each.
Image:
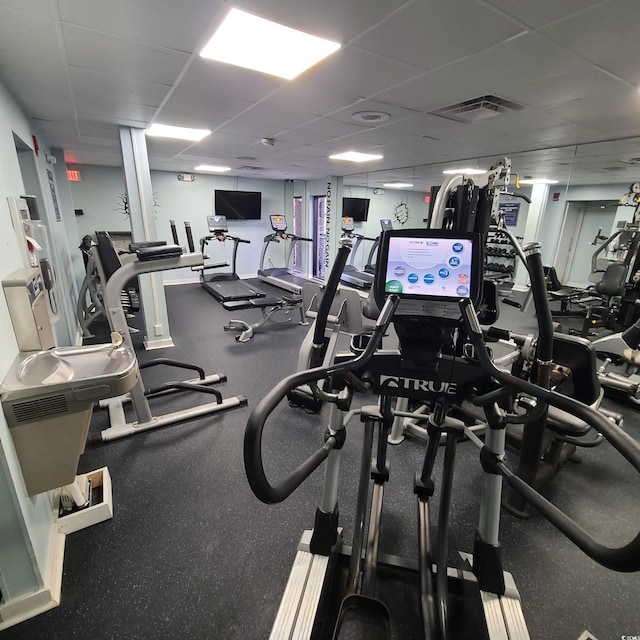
(478, 109)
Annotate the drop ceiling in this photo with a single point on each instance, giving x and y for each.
(81, 69)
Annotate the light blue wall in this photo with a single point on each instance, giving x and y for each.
(97, 195)
(27, 523)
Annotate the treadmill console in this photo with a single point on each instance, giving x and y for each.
(386, 225)
(217, 223)
(278, 223)
(431, 270)
(347, 224)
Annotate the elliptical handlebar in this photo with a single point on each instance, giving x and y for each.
(260, 485)
(330, 290)
(625, 558)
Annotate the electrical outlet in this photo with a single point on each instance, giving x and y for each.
(158, 329)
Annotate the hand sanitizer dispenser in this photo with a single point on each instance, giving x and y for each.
(27, 302)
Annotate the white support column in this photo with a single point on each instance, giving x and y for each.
(137, 177)
(539, 195)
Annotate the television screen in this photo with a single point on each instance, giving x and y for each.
(356, 208)
(238, 205)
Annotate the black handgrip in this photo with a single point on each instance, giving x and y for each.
(174, 231)
(243, 240)
(519, 194)
(187, 228)
(544, 349)
(500, 334)
(626, 558)
(329, 293)
(254, 468)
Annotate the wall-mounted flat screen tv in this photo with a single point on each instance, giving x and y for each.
(356, 208)
(238, 205)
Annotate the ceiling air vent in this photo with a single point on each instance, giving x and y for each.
(251, 168)
(478, 109)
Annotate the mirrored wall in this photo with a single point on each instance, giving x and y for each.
(581, 200)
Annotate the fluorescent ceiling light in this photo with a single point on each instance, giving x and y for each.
(211, 167)
(255, 43)
(397, 185)
(539, 181)
(469, 172)
(178, 133)
(355, 156)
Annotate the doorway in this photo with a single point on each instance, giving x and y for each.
(319, 226)
(583, 222)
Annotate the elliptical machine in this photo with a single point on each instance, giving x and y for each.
(442, 357)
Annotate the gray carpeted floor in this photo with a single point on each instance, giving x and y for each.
(191, 553)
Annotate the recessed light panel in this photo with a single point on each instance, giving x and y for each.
(177, 133)
(355, 156)
(211, 167)
(248, 41)
(397, 185)
(539, 181)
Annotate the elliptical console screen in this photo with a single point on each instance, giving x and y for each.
(431, 270)
(278, 223)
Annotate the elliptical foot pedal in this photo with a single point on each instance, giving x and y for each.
(362, 618)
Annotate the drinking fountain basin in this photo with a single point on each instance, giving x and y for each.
(48, 398)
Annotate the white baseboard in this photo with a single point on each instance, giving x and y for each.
(48, 597)
(165, 343)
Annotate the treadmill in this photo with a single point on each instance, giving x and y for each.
(351, 274)
(370, 267)
(282, 277)
(226, 286)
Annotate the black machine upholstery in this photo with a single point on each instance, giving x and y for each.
(613, 280)
(108, 255)
(579, 356)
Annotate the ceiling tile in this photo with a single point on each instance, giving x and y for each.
(563, 134)
(309, 99)
(579, 83)
(283, 119)
(100, 52)
(174, 25)
(334, 19)
(45, 74)
(611, 104)
(166, 148)
(42, 8)
(356, 72)
(625, 67)
(186, 118)
(95, 106)
(432, 34)
(204, 104)
(18, 28)
(99, 84)
(599, 33)
(424, 124)
(520, 122)
(541, 12)
(217, 78)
